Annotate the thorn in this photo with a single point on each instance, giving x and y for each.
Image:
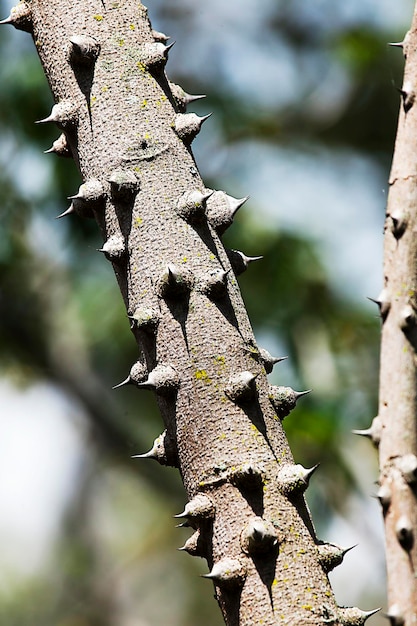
(352, 616)
(396, 44)
(154, 56)
(168, 48)
(193, 97)
(294, 479)
(399, 222)
(383, 301)
(182, 98)
(69, 211)
(300, 394)
(331, 555)
(185, 524)
(191, 205)
(241, 387)
(374, 432)
(284, 399)
(258, 536)
(90, 197)
(126, 381)
(90, 191)
(84, 49)
(200, 507)
(60, 147)
(64, 114)
(240, 261)
(247, 476)
(363, 433)
(404, 532)
(227, 572)
(193, 545)
(159, 37)
(384, 497)
(222, 209)
(395, 616)
(163, 379)
(50, 118)
(408, 319)
(145, 319)
(174, 282)
(188, 125)
(408, 96)
(158, 452)
(215, 285)
(20, 17)
(114, 248)
(407, 465)
(124, 184)
(236, 203)
(268, 360)
(136, 376)
(146, 455)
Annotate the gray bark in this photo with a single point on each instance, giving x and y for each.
(127, 130)
(395, 428)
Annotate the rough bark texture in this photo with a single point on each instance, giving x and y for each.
(395, 427)
(127, 130)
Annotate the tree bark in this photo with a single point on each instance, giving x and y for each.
(126, 127)
(396, 426)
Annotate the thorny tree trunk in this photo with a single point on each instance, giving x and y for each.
(396, 426)
(126, 127)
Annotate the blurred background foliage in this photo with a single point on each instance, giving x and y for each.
(288, 80)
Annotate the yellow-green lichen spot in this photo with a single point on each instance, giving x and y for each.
(202, 375)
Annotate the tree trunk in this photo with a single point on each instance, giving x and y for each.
(395, 425)
(126, 127)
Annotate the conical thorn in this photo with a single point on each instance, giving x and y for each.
(310, 471)
(405, 533)
(168, 48)
(126, 381)
(182, 98)
(194, 97)
(146, 455)
(185, 524)
(160, 37)
(20, 17)
(331, 555)
(227, 572)
(69, 211)
(161, 451)
(45, 120)
(363, 433)
(163, 379)
(395, 615)
(84, 49)
(352, 616)
(201, 506)
(300, 394)
(236, 203)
